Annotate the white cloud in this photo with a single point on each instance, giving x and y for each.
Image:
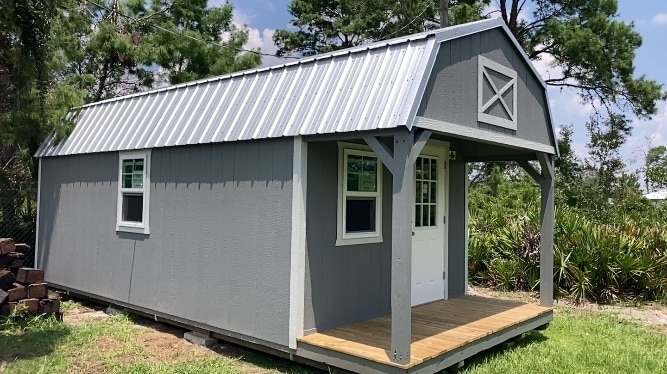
(258, 39)
(646, 132)
(493, 10)
(660, 19)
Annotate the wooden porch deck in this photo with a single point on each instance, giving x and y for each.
(443, 333)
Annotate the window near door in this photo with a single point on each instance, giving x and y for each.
(359, 197)
(426, 191)
(133, 192)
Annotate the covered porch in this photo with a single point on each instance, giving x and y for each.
(443, 333)
(386, 203)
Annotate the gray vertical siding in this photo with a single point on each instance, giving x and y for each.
(451, 94)
(343, 284)
(457, 230)
(219, 248)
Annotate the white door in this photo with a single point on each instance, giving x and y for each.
(429, 231)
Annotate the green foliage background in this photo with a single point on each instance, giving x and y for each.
(606, 249)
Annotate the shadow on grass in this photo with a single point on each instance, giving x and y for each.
(492, 353)
(31, 342)
(231, 350)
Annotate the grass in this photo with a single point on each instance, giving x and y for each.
(580, 341)
(120, 344)
(577, 341)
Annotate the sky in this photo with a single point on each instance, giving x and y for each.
(263, 17)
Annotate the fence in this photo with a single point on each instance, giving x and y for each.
(18, 213)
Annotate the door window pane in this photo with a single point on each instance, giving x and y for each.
(426, 191)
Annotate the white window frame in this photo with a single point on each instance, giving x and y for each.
(134, 227)
(343, 238)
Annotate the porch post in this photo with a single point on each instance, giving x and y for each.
(401, 248)
(547, 230)
(400, 161)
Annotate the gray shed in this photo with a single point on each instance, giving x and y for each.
(315, 209)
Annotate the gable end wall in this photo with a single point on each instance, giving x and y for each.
(451, 93)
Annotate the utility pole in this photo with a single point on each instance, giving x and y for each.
(444, 13)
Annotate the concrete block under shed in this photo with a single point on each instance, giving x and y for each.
(199, 339)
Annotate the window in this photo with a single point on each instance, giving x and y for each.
(359, 196)
(426, 191)
(133, 188)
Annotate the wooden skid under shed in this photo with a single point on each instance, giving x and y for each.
(443, 333)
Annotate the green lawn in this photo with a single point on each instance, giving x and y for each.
(576, 342)
(580, 342)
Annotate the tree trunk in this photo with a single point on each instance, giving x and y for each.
(444, 13)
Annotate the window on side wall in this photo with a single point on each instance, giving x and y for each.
(359, 196)
(133, 192)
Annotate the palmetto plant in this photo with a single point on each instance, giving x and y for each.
(602, 262)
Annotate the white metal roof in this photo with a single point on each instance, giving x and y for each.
(374, 86)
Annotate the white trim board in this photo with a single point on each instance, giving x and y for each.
(484, 65)
(298, 242)
(39, 200)
(484, 136)
(142, 227)
(343, 239)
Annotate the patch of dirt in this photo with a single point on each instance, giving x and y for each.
(77, 316)
(165, 347)
(106, 344)
(653, 316)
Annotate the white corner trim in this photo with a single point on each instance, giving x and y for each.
(466, 221)
(134, 227)
(298, 242)
(39, 200)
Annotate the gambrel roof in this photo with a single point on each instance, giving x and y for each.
(374, 86)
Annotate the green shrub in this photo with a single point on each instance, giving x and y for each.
(603, 253)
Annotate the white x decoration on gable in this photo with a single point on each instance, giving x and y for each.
(497, 94)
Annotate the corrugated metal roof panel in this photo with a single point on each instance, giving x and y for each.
(368, 87)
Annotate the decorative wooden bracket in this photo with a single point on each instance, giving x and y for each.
(386, 154)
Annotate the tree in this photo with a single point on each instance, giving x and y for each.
(193, 41)
(111, 48)
(655, 168)
(606, 139)
(592, 47)
(29, 105)
(328, 25)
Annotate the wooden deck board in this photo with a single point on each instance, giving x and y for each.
(437, 328)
